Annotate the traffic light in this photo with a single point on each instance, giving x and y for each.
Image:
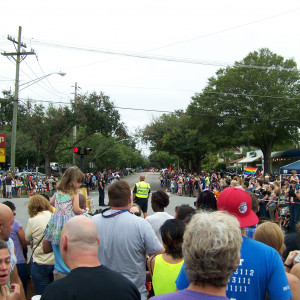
(87, 150)
(77, 150)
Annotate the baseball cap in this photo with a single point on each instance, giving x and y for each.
(238, 203)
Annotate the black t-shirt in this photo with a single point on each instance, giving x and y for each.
(293, 195)
(92, 283)
(8, 180)
(103, 184)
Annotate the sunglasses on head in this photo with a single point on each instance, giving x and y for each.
(137, 213)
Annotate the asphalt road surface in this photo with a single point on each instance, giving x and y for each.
(152, 178)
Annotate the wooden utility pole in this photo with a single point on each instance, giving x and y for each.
(18, 57)
(74, 128)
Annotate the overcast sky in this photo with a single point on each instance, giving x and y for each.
(72, 36)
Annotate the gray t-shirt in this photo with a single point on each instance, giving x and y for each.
(158, 219)
(124, 241)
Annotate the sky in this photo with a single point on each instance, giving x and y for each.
(149, 57)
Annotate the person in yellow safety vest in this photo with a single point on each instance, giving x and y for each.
(141, 194)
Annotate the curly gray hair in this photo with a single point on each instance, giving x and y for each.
(211, 248)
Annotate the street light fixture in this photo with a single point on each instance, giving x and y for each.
(31, 82)
(15, 113)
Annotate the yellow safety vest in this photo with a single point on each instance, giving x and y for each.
(142, 189)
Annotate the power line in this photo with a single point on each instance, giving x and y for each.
(41, 84)
(225, 30)
(209, 115)
(172, 112)
(161, 58)
(251, 95)
(45, 101)
(37, 59)
(201, 36)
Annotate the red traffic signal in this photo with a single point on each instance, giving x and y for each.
(87, 150)
(77, 150)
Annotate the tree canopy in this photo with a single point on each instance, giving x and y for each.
(255, 102)
(176, 134)
(48, 127)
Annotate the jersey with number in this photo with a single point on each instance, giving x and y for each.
(260, 270)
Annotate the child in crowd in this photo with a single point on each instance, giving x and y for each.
(66, 203)
(294, 176)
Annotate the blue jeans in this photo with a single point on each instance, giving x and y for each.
(41, 275)
(294, 214)
(263, 211)
(22, 271)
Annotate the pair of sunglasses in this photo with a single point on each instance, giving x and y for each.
(138, 214)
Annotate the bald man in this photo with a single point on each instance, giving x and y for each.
(6, 220)
(88, 279)
(141, 194)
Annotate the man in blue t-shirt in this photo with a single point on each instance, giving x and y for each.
(261, 269)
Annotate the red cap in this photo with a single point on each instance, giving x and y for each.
(237, 202)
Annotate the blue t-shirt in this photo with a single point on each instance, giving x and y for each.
(260, 270)
(59, 263)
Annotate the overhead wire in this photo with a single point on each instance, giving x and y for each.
(178, 59)
(204, 35)
(37, 59)
(41, 83)
(225, 30)
(172, 112)
(160, 57)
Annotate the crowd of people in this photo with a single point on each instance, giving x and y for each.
(16, 186)
(279, 198)
(230, 246)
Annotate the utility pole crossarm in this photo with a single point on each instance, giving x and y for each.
(10, 38)
(20, 53)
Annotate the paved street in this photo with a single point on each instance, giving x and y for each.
(151, 178)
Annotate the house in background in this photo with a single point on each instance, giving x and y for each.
(255, 159)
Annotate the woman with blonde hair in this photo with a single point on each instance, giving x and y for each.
(270, 234)
(273, 201)
(135, 209)
(42, 265)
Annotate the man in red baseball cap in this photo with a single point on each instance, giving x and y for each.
(237, 202)
(260, 269)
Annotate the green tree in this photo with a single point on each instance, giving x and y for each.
(254, 103)
(48, 127)
(110, 153)
(163, 159)
(178, 135)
